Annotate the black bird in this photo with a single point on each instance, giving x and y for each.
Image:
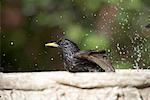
(76, 60)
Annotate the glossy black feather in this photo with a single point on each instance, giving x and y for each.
(76, 60)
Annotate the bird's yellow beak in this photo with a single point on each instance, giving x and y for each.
(51, 44)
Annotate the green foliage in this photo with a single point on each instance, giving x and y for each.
(94, 41)
(74, 32)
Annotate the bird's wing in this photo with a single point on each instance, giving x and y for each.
(98, 57)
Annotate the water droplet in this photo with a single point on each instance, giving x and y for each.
(11, 43)
(86, 34)
(61, 17)
(94, 15)
(45, 52)
(3, 36)
(140, 13)
(128, 27)
(36, 64)
(90, 31)
(84, 45)
(120, 53)
(83, 16)
(145, 49)
(52, 58)
(36, 20)
(106, 13)
(127, 16)
(91, 24)
(60, 55)
(96, 47)
(64, 33)
(122, 8)
(15, 59)
(119, 23)
(109, 50)
(4, 54)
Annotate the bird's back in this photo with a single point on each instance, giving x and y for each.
(82, 65)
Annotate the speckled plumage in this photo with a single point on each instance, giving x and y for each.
(76, 60)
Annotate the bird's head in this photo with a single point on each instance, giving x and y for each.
(64, 44)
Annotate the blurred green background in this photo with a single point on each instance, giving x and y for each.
(117, 26)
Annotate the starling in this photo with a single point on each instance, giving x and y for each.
(76, 60)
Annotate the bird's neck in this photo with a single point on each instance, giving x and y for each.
(68, 53)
